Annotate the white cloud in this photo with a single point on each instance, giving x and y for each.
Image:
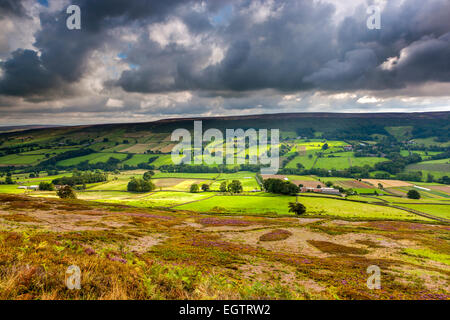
(367, 99)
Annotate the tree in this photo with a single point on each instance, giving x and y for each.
(235, 186)
(205, 187)
(8, 179)
(325, 146)
(223, 186)
(319, 186)
(413, 194)
(329, 184)
(140, 185)
(297, 208)
(380, 186)
(66, 192)
(194, 188)
(280, 186)
(148, 175)
(46, 186)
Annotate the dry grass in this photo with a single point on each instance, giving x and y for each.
(130, 253)
(334, 248)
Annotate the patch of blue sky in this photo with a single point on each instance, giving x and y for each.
(43, 2)
(223, 15)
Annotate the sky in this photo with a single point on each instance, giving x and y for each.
(143, 60)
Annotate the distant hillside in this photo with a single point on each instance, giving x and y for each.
(23, 128)
(363, 126)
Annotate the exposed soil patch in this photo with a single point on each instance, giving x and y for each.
(308, 183)
(143, 244)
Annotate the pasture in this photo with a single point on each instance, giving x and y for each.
(278, 205)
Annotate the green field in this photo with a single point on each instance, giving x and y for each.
(442, 211)
(163, 160)
(92, 158)
(266, 204)
(337, 163)
(161, 199)
(138, 159)
(18, 159)
(183, 175)
(305, 160)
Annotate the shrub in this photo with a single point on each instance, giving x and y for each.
(223, 187)
(8, 179)
(46, 186)
(66, 192)
(148, 175)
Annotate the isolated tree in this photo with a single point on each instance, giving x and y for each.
(194, 188)
(297, 208)
(413, 194)
(223, 186)
(380, 186)
(235, 187)
(319, 186)
(325, 146)
(329, 183)
(205, 187)
(66, 192)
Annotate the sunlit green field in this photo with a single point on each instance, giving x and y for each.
(18, 159)
(92, 158)
(161, 199)
(279, 205)
(139, 158)
(159, 175)
(436, 210)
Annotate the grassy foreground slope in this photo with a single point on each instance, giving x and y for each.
(130, 253)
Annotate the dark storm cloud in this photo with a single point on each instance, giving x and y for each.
(273, 53)
(425, 60)
(25, 73)
(64, 52)
(290, 45)
(11, 8)
(297, 49)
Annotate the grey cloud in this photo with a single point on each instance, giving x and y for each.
(300, 46)
(12, 8)
(351, 71)
(64, 52)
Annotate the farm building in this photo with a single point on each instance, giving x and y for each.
(348, 148)
(321, 190)
(28, 187)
